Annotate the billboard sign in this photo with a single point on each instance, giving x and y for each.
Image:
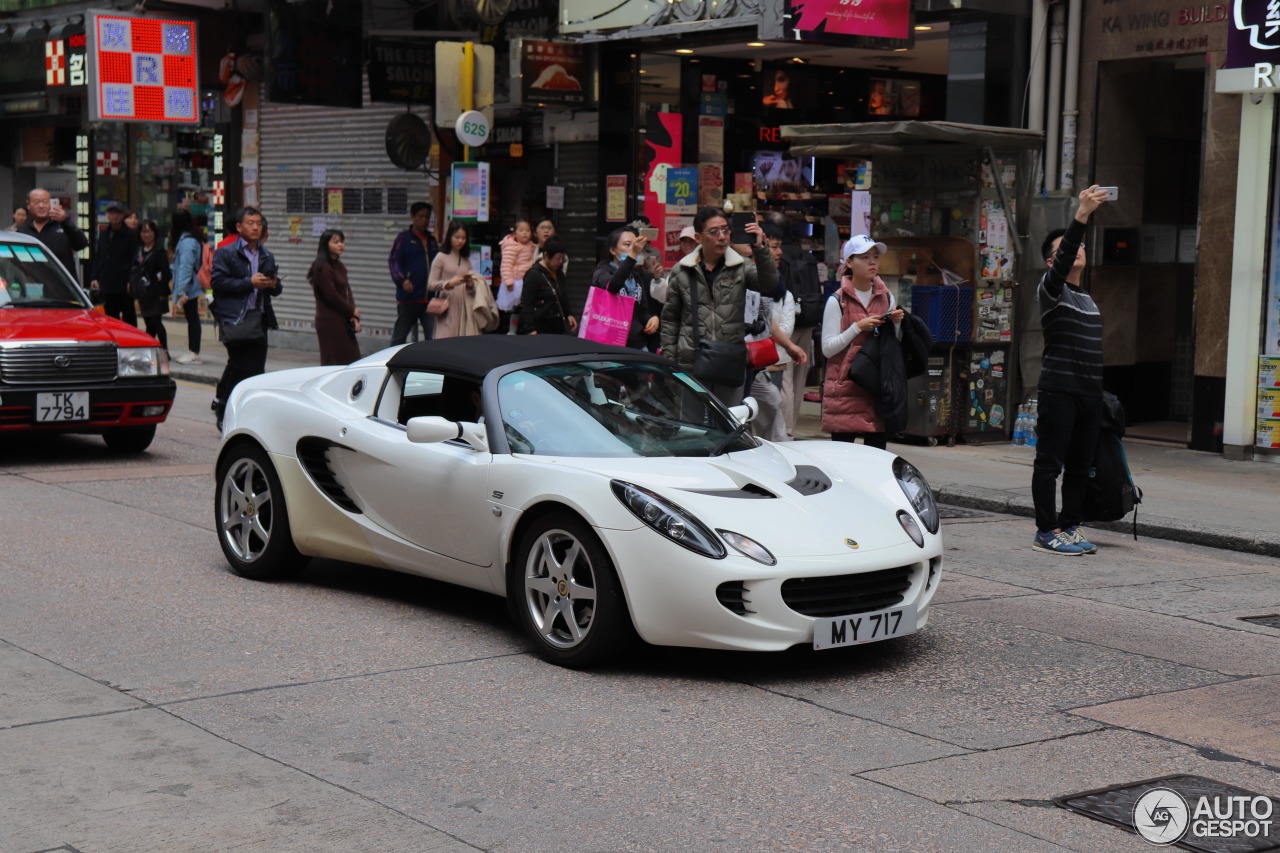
(861, 23)
(142, 69)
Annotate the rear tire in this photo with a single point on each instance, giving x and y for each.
(129, 439)
(251, 518)
(565, 593)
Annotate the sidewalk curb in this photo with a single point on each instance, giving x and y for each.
(1155, 527)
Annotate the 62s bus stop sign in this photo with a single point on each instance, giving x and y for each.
(142, 69)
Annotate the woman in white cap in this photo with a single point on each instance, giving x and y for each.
(658, 288)
(861, 305)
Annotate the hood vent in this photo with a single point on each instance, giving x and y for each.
(750, 490)
(810, 480)
(313, 453)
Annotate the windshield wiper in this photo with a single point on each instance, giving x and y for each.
(737, 433)
(47, 303)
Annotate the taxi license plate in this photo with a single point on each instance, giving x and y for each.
(62, 406)
(835, 631)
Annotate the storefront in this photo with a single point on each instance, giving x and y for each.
(1251, 414)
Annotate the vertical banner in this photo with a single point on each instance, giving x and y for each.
(471, 191)
(615, 199)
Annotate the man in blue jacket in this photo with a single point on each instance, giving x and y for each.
(245, 277)
(410, 263)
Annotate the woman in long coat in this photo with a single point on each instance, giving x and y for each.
(337, 317)
(471, 307)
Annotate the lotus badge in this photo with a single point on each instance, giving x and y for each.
(852, 543)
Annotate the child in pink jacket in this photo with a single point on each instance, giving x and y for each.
(517, 257)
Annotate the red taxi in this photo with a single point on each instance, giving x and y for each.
(68, 368)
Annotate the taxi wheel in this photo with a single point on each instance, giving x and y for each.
(129, 439)
(565, 594)
(251, 518)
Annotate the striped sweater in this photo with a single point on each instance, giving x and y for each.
(1072, 326)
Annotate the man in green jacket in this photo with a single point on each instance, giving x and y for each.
(723, 276)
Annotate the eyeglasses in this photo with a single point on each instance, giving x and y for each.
(718, 232)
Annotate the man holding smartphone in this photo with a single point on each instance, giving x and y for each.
(1070, 389)
(48, 224)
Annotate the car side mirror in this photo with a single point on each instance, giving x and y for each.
(747, 411)
(434, 429)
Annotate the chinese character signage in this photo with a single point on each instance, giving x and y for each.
(142, 69)
(555, 74)
(863, 23)
(65, 62)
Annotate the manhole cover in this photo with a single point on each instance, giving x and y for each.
(1190, 812)
(1272, 621)
(954, 512)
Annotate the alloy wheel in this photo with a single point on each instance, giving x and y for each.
(560, 589)
(245, 510)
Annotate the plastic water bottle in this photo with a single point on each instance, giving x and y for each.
(1032, 424)
(1020, 427)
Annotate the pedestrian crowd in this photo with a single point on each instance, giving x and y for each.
(743, 311)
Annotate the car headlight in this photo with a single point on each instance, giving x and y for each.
(668, 519)
(748, 547)
(918, 492)
(141, 361)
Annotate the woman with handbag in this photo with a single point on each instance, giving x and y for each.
(544, 310)
(149, 279)
(337, 317)
(861, 306)
(463, 290)
(623, 274)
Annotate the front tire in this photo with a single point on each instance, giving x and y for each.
(565, 593)
(251, 518)
(129, 439)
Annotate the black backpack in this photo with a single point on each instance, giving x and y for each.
(1110, 494)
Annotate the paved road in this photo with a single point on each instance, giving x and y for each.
(152, 701)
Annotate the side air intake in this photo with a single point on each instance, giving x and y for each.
(313, 453)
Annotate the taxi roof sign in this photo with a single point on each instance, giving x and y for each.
(142, 69)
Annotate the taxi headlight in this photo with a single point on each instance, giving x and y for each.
(918, 493)
(141, 361)
(668, 519)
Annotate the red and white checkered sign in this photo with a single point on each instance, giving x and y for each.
(219, 193)
(142, 69)
(55, 63)
(108, 163)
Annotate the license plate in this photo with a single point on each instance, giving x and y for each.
(835, 631)
(62, 406)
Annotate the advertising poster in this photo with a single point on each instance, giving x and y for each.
(710, 138)
(471, 191)
(615, 204)
(672, 226)
(682, 189)
(860, 212)
(335, 201)
(554, 73)
(662, 151)
(710, 184)
(813, 20)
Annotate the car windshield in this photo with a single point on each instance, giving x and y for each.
(31, 278)
(614, 409)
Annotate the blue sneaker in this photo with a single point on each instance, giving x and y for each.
(1074, 535)
(1056, 543)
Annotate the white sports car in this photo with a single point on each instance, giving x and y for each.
(602, 490)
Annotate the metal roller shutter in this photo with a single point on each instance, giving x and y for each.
(350, 146)
(577, 167)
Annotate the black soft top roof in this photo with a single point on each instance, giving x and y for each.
(476, 355)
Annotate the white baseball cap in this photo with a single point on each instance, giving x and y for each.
(687, 232)
(860, 244)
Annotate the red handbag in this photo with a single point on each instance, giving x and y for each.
(762, 353)
(438, 305)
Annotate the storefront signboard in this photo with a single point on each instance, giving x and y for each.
(401, 72)
(66, 62)
(554, 73)
(1253, 48)
(868, 23)
(578, 16)
(142, 69)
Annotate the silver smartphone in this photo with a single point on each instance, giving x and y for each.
(1113, 193)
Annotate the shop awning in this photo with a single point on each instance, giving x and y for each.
(866, 139)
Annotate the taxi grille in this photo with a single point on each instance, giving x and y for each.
(842, 595)
(58, 364)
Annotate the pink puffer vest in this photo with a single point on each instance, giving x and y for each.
(845, 406)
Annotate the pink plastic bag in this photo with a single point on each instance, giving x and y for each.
(606, 318)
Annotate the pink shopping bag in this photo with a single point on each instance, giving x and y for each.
(606, 318)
